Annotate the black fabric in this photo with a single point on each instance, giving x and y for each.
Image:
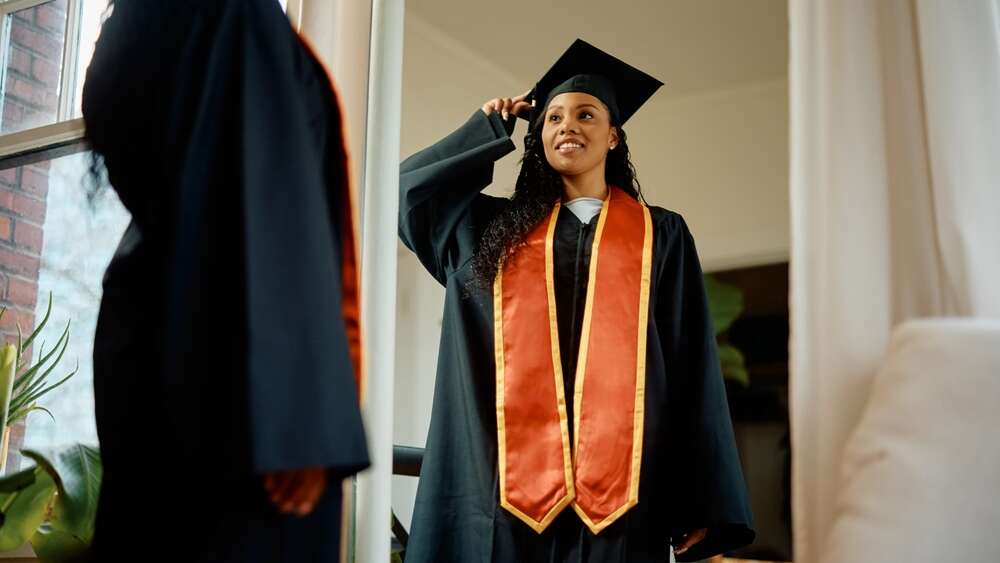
(572, 245)
(691, 475)
(585, 68)
(595, 85)
(221, 350)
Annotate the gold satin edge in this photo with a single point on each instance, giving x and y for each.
(538, 526)
(498, 351)
(640, 369)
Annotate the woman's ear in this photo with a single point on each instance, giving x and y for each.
(613, 138)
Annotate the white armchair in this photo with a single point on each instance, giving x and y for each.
(921, 473)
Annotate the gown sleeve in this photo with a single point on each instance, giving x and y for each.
(298, 238)
(257, 352)
(440, 205)
(705, 483)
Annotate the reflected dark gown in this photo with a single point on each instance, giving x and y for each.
(690, 476)
(221, 350)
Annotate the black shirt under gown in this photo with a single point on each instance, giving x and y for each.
(690, 476)
(221, 350)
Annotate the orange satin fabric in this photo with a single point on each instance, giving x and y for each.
(610, 379)
(536, 480)
(538, 475)
(350, 273)
(350, 283)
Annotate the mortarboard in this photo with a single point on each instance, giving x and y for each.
(585, 68)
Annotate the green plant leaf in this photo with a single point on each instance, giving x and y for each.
(26, 377)
(38, 329)
(725, 303)
(25, 510)
(77, 473)
(31, 381)
(8, 365)
(733, 364)
(17, 481)
(57, 546)
(20, 350)
(27, 382)
(34, 396)
(25, 411)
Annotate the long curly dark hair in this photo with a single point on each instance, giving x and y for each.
(536, 192)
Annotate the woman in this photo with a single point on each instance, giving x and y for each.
(579, 412)
(226, 353)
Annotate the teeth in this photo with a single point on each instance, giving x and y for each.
(570, 146)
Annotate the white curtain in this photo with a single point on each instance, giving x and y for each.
(895, 200)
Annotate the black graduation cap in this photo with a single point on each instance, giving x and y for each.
(585, 68)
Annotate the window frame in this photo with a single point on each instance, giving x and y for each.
(66, 135)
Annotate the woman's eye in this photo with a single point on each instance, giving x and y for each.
(586, 115)
(554, 117)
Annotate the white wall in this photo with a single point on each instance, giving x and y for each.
(719, 158)
(443, 83)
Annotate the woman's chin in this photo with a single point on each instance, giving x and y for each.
(570, 170)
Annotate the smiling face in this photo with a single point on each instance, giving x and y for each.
(577, 134)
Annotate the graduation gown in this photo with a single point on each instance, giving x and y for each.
(690, 474)
(222, 349)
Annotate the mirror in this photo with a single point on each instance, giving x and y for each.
(711, 144)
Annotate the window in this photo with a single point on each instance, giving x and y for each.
(46, 46)
(58, 243)
(51, 238)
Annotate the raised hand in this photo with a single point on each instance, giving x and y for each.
(506, 106)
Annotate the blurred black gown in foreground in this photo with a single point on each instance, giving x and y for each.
(226, 342)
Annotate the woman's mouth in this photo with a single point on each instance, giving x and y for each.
(569, 147)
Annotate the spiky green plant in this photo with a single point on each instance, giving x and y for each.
(31, 381)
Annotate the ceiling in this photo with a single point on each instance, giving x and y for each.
(692, 45)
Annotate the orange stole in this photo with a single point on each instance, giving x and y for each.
(539, 476)
(350, 279)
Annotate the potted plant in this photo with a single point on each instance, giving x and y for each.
(22, 383)
(53, 504)
(725, 304)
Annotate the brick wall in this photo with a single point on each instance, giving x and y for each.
(30, 99)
